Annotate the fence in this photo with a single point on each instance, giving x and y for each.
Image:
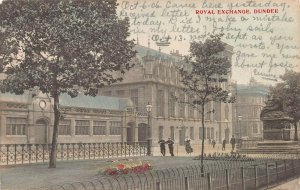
(240, 176)
(34, 153)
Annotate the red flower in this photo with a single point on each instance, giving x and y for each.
(120, 166)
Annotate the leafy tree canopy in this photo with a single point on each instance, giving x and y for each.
(206, 68)
(59, 46)
(288, 91)
(62, 47)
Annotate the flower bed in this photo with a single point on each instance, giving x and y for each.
(121, 168)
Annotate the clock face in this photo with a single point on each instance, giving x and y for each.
(42, 104)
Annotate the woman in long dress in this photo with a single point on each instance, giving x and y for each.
(188, 147)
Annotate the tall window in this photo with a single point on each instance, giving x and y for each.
(208, 133)
(120, 93)
(107, 93)
(172, 133)
(115, 128)
(160, 103)
(16, 126)
(181, 105)
(191, 108)
(212, 133)
(99, 127)
(192, 133)
(64, 127)
(171, 104)
(82, 127)
(134, 95)
(200, 133)
(226, 111)
(207, 111)
(161, 132)
(255, 128)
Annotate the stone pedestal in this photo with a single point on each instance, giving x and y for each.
(277, 132)
(277, 129)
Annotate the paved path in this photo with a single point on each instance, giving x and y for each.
(37, 175)
(291, 185)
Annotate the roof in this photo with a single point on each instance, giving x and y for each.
(9, 97)
(143, 51)
(98, 102)
(257, 90)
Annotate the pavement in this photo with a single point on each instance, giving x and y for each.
(18, 177)
(37, 175)
(291, 185)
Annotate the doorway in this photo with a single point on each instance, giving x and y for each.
(41, 132)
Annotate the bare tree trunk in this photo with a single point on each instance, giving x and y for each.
(202, 146)
(296, 131)
(52, 162)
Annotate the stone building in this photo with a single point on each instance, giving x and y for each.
(251, 99)
(155, 80)
(27, 119)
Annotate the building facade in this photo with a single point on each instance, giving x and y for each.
(155, 80)
(250, 101)
(29, 120)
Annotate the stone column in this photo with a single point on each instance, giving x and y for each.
(2, 129)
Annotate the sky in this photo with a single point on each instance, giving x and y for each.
(265, 44)
(264, 34)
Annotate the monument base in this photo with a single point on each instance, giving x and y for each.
(273, 147)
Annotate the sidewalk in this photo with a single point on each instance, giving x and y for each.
(291, 185)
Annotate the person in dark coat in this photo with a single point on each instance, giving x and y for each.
(162, 146)
(188, 147)
(232, 142)
(170, 143)
(223, 144)
(213, 143)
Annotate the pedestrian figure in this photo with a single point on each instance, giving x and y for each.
(213, 143)
(223, 144)
(232, 142)
(170, 143)
(162, 146)
(188, 147)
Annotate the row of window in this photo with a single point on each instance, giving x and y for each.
(18, 126)
(208, 133)
(82, 127)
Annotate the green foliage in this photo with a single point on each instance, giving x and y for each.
(62, 46)
(202, 76)
(204, 72)
(288, 92)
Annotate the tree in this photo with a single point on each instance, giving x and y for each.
(288, 91)
(204, 71)
(68, 46)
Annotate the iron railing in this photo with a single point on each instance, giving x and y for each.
(34, 153)
(240, 176)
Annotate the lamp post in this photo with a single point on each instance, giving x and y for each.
(149, 136)
(240, 125)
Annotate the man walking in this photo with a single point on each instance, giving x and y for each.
(223, 144)
(162, 146)
(213, 143)
(232, 142)
(171, 146)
